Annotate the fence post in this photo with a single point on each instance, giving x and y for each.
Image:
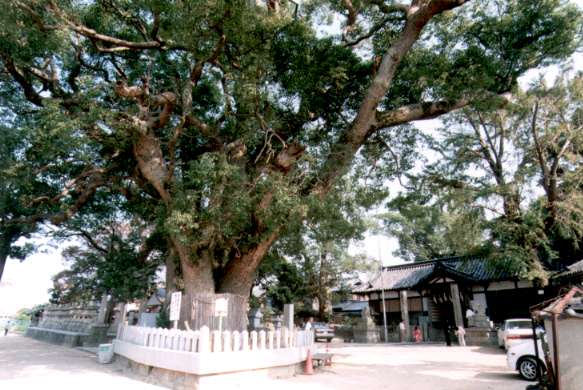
(236, 341)
(285, 338)
(144, 333)
(254, 340)
(187, 345)
(227, 341)
(172, 336)
(278, 339)
(270, 335)
(183, 337)
(196, 341)
(160, 332)
(216, 341)
(245, 340)
(204, 341)
(261, 339)
(167, 338)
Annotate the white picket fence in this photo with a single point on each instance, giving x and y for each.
(204, 352)
(203, 340)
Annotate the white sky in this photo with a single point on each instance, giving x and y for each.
(25, 284)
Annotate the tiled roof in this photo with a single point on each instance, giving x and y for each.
(356, 306)
(572, 270)
(407, 276)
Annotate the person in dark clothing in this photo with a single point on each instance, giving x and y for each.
(447, 334)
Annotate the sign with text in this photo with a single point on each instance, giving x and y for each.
(221, 307)
(175, 306)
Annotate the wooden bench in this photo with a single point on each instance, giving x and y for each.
(322, 358)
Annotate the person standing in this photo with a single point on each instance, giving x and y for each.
(461, 336)
(6, 328)
(446, 332)
(417, 334)
(308, 325)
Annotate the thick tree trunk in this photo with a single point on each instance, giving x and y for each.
(197, 278)
(240, 273)
(197, 273)
(171, 273)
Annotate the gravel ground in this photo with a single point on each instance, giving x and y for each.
(29, 364)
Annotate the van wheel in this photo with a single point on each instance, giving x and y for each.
(527, 368)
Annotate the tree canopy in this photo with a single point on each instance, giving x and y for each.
(226, 125)
(507, 183)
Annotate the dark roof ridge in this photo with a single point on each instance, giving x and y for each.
(432, 261)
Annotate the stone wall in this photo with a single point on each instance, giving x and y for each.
(72, 318)
(70, 325)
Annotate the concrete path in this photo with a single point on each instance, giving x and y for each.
(28, 364)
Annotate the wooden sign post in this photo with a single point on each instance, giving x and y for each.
(175, 302)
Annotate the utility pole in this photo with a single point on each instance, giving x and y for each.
(383, 293)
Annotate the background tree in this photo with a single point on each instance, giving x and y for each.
(113, 259)
(431, 221)
(509, 168)
(229, 122)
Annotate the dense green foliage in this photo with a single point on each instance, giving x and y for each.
(507, 184)
(112, 260)
(228, 127)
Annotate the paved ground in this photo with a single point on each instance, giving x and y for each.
(29, 364)
(414, 367)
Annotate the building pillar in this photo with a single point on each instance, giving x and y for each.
(457, 305)
(426, 308)
(404, 314)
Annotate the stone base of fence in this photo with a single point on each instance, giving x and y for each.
(177, 380)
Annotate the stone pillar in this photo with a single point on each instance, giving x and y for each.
(288, 316)
(457, 305)
(404, 313)
(102, 314)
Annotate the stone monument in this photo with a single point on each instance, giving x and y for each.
(479, 319)
(366, 330)
(479, 331)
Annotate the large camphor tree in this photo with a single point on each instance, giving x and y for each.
(227, 123)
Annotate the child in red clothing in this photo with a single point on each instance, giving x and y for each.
(417, 334)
